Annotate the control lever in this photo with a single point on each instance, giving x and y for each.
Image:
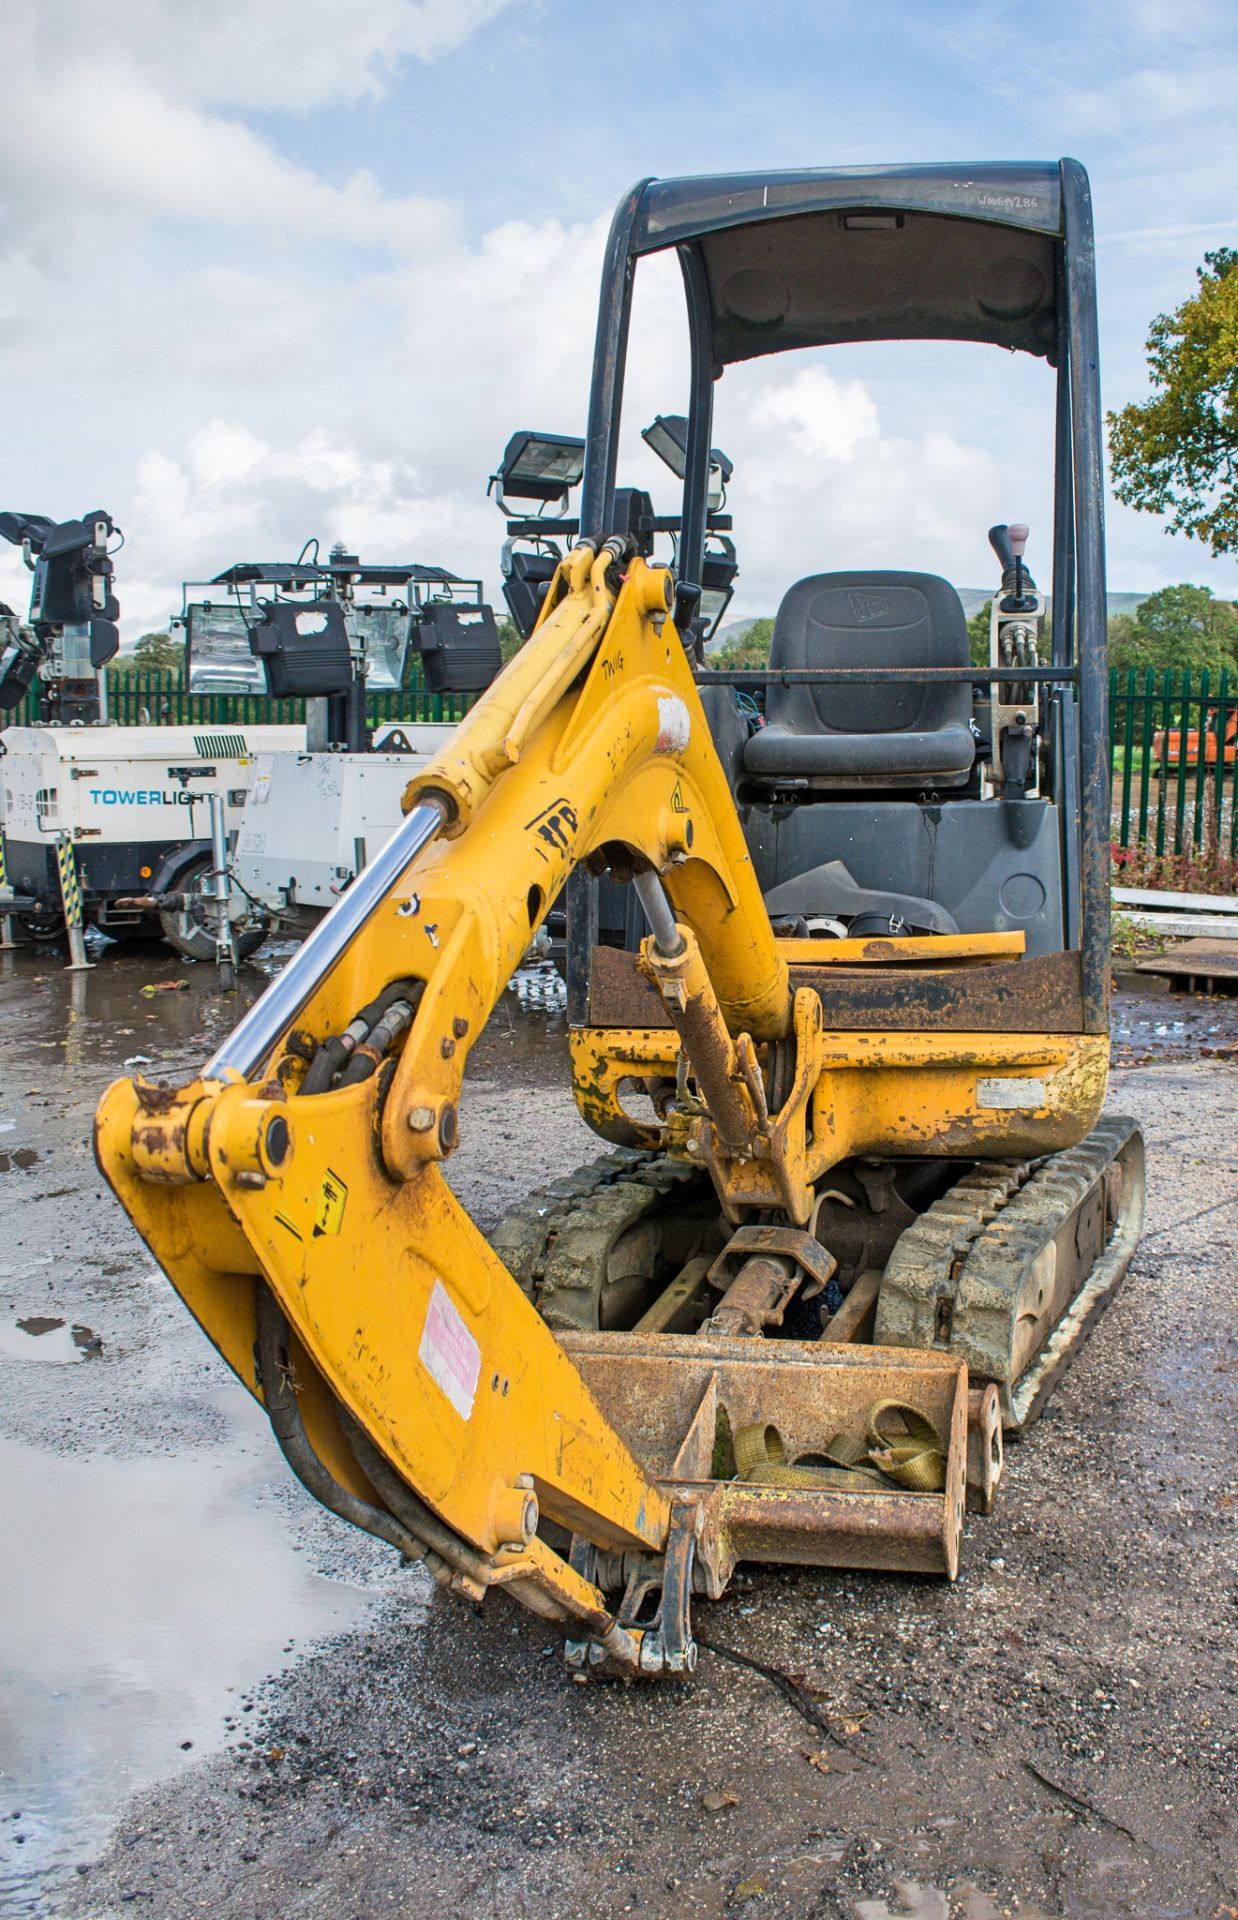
(1018, 545)
(1009, 543)
(1015, 644)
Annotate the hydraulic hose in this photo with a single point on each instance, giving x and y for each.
(289, 1429)
(337, 1051)
(412, 1510)
(367, 1058)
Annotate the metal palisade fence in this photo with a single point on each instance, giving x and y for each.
(160, 699)
(1173, 740)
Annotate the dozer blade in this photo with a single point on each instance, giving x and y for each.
(1009, 1269)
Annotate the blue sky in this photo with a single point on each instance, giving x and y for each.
(274, 268)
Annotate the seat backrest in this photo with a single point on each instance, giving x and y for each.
(869, 620)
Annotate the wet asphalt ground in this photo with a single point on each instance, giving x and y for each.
(217, 1700)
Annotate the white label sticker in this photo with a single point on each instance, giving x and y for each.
(1023, 1093)
(449, 1353)
(263, 768)
(310, 622)
(674, 725)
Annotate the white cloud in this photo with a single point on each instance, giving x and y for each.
(263, 54)
(228, 495)
(14, 580)
(820, 417)
(235, 344)
(102, 141)
(114, 113)
(821, 484)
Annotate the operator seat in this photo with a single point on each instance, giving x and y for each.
(857, 733)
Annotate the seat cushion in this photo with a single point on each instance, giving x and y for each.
(776, 752)
(866, 731)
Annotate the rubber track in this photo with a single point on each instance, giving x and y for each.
(978, 1241)
(1029, 1221)
(555, 1223)
(928, 1255)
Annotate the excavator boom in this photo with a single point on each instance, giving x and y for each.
(427, 1384)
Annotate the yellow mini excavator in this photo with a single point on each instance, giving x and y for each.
(860, 1205)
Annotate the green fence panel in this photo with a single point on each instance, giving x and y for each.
(1197, 832)
(1216, 783)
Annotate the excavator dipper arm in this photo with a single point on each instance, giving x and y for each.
(308, 1226)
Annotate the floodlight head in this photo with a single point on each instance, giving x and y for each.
(304, 649)
(668, 437)
(539, 466)
(718, 570)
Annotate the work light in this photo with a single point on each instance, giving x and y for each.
(668, 436)
(539, 466)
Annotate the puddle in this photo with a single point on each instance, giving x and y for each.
(39, 1337)
(540, 990)
(1151, 1026)
(142, 1598)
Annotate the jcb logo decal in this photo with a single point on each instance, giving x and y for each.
(554, 824)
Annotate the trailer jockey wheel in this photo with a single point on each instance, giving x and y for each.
(190, 929)
(40, 929)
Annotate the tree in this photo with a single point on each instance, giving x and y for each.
(1124, 647)
(750, 652)
(1177, 452)
(1180, 627)
(978, 635)
(510, 640)
(158, 653)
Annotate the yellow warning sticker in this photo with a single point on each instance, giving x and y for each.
(677, 800)
(332, 1198)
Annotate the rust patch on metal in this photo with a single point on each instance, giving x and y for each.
(160, 1141)
(1043, 994)
(1039, 995)
(160, 1099)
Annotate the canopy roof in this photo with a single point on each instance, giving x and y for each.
(822, 256)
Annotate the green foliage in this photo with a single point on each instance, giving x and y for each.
(154, 653)
(1130, 941)
(1180, 627)
(1177, 452)
(1124, 651)
(978, 635)
(750, 652)
(1195, 870)
(510, 641)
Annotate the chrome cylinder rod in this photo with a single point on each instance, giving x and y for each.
(252, 1042)
(659, 914)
